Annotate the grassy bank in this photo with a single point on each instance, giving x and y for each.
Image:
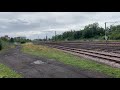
(6, 72)
(66, 58)
(5, 45)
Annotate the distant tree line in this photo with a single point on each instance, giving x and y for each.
(114, 32)
(91, 31)
(5, 42)
(20, 40)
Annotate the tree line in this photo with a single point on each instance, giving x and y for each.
(5, 42)
(91, 31)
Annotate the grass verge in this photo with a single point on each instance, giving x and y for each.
(6, 72)
(70, 59)
(5, 45)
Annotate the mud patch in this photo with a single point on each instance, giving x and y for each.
(51, 59)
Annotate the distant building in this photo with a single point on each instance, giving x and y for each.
(19, 38)
(8, 38)
(5, 37)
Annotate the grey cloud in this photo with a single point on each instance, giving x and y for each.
(17, 22)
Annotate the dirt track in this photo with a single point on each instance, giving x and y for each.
(30, 67)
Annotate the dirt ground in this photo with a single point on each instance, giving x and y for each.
(38, 67)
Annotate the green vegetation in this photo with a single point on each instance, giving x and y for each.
(5, 44)
(91, 31)
(6, 72)
(0, 45)
(114, 32)
(8, 43)
(12, 40)
(21, 40)
(66, 58)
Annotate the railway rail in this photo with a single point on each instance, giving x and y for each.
(98, 46)
(111, 57)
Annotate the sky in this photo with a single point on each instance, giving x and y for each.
(35, 25)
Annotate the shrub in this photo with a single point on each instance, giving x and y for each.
(22, 42)
(0, 45)
(12, 40)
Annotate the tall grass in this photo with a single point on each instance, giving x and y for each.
(6, 72)
(0, 45)
(5, 44)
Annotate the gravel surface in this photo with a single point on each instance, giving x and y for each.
(103, 61)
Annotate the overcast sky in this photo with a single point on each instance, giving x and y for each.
(39, 24)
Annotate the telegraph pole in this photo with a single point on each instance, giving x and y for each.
(55, 35)
(105, 34)
(38, 37)
(46, 37)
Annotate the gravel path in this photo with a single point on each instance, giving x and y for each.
(38, 67)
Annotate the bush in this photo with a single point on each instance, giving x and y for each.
(115, 36)
(12, 40)
(22, 42)
(0, 45)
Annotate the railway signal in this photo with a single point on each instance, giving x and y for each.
(46, 38)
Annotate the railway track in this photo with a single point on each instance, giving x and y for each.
(111, 57)
(90, 42)
(100, 46)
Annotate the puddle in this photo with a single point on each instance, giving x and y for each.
(38, 62)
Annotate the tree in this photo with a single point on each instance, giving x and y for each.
(91, 31)
(0, 45)
(11, 40)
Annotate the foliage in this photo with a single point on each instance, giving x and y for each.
(4, 44)
(90, 31)
(21, 40)
(0, 45)
(12, 40)
(93, 31)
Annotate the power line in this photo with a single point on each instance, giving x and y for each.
(113, 22)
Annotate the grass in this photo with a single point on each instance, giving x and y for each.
(70, 59)
(6, 45)
(6, 72)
